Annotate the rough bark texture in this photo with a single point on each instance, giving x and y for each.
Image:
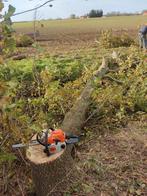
(51, 174)
(52, 177)
(75, 118)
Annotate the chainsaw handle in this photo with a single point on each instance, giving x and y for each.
(46, 137)
(38, 139)
(45, 144)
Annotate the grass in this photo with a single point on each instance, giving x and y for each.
(70, 26)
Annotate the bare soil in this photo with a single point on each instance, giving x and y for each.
(65, 43)
(115, 164)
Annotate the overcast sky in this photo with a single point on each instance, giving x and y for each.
(64, 8)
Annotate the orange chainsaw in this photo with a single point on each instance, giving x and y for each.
(54, 140)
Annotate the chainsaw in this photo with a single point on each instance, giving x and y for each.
(53, 140)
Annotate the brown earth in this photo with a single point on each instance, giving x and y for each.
(108, 164)
(67, 43)
(114, 164)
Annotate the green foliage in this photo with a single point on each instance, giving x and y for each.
(9, 14)
(49, 91)
(31, 95)
(73, 16)
(9, 45)
(44, 94)
(6, 157)
(129, 97)
(109, 40)
(8, 42)
(95, 13)
(23, 40)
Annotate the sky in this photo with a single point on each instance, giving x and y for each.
(64, 8)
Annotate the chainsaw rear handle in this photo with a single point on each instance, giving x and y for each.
(46, 138)
(46, 150)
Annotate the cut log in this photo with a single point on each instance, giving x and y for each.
(50, 174)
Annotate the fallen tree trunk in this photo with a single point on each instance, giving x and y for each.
(75, 118)
(51, 174)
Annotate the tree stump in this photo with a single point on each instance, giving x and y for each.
(50, 174)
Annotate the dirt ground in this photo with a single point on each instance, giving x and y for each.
(108, 164)
(62, 45)
(114, 164)
(69, 43)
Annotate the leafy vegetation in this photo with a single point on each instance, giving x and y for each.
(43, 89)
(110, 40)
(32, 95)
(95, 13)
(23, 40)
(48, 92)
(8, 42)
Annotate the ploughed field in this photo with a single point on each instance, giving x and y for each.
(71, 34)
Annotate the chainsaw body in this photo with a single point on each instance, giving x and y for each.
(54, 148)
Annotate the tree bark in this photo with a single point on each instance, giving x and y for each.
(75, 118)
(51, 174)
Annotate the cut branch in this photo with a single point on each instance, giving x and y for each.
(33, 9)
(113, 79)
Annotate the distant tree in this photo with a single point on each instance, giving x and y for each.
(117, 13)
(113, 13)
(95, 13)
(72, 16)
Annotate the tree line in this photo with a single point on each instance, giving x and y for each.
(99, 13)
(92, 14)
